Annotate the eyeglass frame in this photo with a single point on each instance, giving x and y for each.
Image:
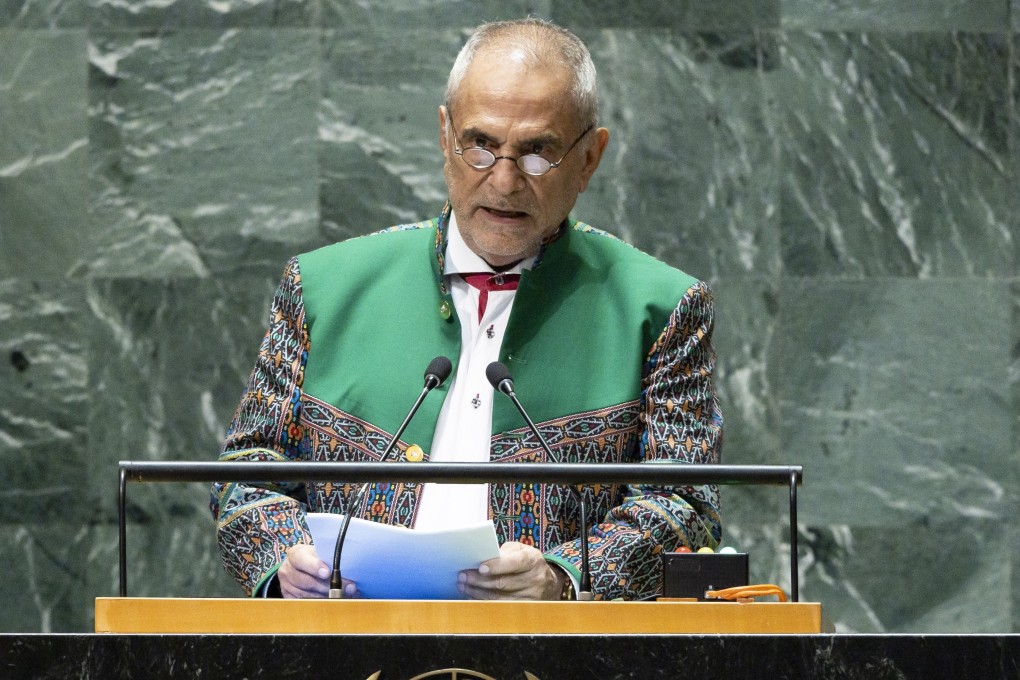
(517, 161)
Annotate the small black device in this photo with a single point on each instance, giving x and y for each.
(689, 575)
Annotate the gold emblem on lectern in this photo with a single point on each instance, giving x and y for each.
(453, 674)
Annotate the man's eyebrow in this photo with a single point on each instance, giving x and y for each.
(476, 133)
(545, 139)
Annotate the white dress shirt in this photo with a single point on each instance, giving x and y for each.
(464, 429)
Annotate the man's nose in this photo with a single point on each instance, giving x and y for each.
(506, 176)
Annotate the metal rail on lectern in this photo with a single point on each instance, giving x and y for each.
(462, 473)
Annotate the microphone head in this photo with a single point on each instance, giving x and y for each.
(438, 371)
(497, 373)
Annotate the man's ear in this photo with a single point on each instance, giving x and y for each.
(592, 157)
(442, 129)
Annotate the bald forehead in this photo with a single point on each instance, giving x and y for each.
(497, 66)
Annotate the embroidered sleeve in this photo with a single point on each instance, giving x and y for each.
(682, 423)
(256, 524)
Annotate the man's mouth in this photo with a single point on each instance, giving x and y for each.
(506, 214)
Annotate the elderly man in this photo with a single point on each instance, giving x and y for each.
(610, 349)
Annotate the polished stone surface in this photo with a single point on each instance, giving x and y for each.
(897, 155)
(897, 15)
(683, 177)
(679, 15)
(844, 174)
(44, 152)
(203, 150)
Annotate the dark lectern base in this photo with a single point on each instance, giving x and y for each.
(109, 657)
(702, 657)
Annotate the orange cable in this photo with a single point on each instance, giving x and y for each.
(749, 591)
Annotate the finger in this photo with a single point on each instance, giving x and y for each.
(301, 589)
(501, 591)
(481, 593)
(292, 592)
(513, 558)
(304, 558)
(476, 593)
(306, 574)
(494, 586)
(297, 583)
(303, 573)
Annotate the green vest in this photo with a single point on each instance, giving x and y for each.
(583, 323)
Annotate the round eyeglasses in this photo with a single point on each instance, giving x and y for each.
(530, 164)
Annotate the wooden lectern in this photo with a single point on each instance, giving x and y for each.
(451, 617)
(446, 617)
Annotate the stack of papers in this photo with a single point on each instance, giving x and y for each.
(388, 562)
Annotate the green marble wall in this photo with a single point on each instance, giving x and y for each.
(843, 172)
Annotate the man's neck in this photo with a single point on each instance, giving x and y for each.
(503, 268)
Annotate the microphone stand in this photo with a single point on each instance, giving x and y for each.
(437, 372)
(499, 376)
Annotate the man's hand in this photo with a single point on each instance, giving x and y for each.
(519, 573)
(304, 575)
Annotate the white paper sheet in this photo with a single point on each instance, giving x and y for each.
(390, 562)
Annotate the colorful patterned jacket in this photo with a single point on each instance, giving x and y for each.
(610, 350)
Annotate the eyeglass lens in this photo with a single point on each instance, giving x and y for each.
(480, 158)
(530, 164)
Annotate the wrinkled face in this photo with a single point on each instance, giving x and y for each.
(511, 110)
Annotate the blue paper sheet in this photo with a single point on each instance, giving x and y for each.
(390, 562)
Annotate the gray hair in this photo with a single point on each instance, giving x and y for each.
(541, 42)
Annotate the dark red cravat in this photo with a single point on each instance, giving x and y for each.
(486, 281)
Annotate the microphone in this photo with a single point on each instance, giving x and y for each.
(438, 371)
(500, 378)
